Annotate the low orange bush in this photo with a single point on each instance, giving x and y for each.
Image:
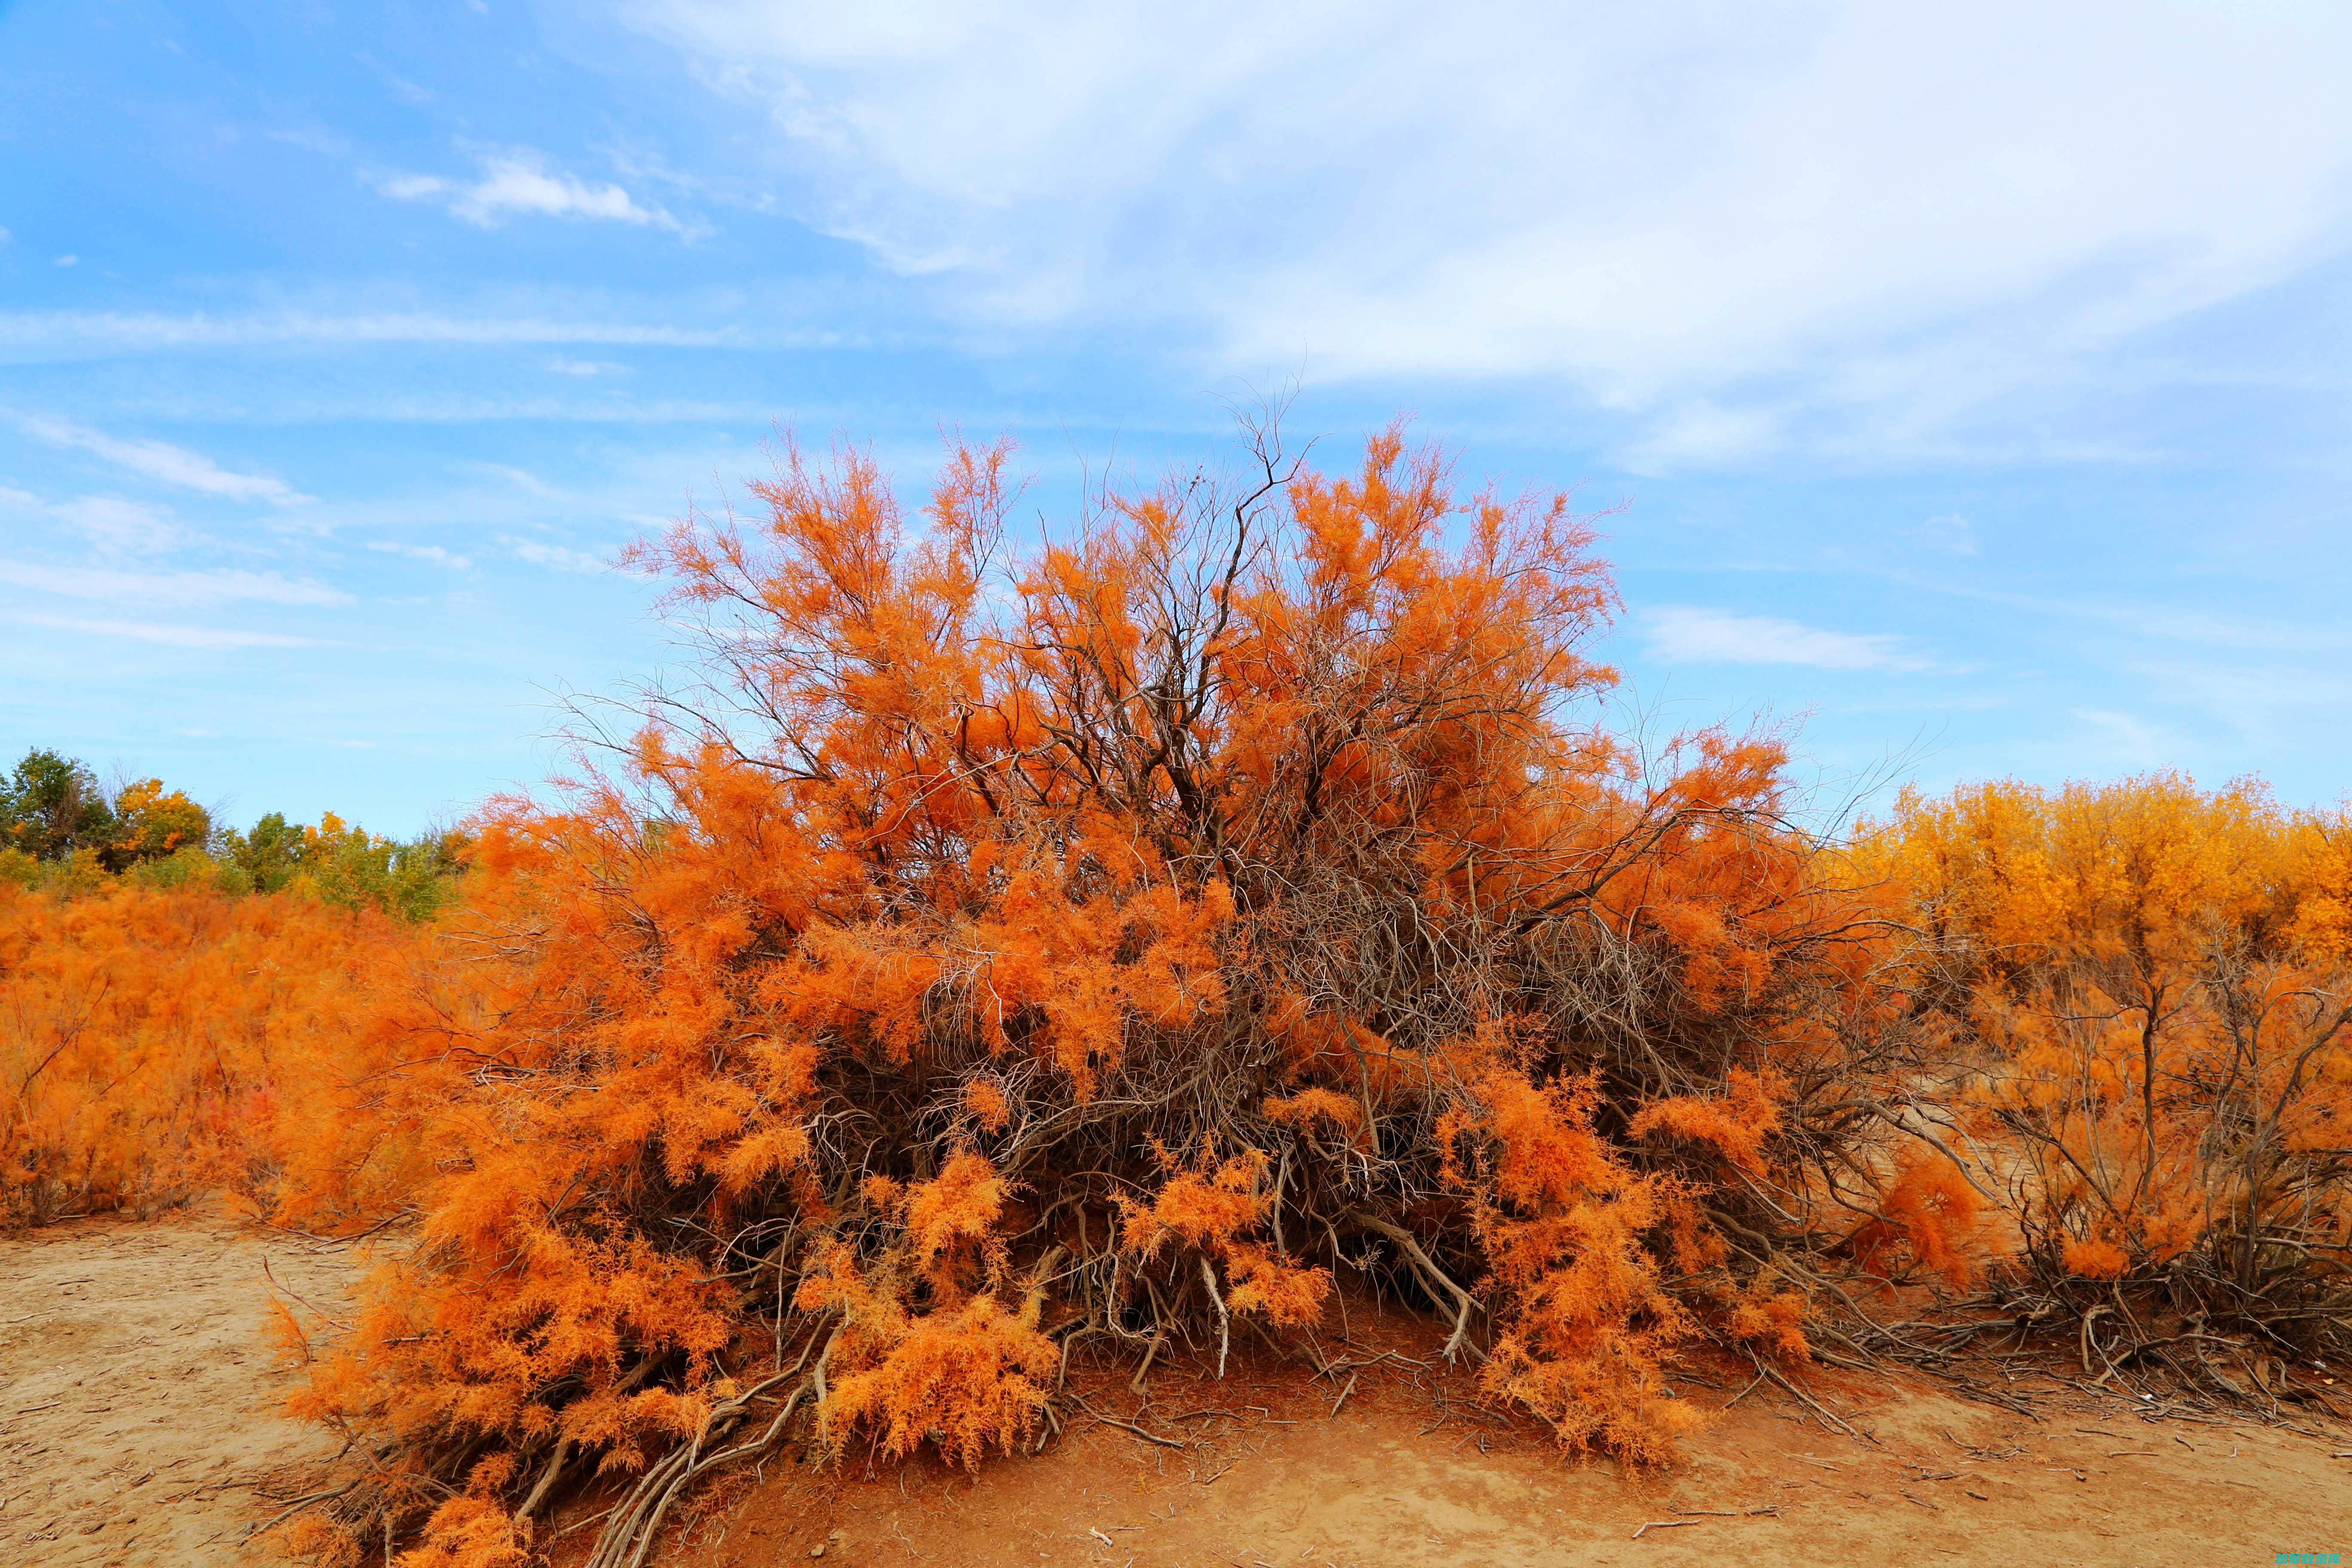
(2149, 991)
(993, 959)
(992, 962)
(157, 1041)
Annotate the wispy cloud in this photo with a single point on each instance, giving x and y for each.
(431, 553)
(113, 525)
(2264, 699)
(1951, 534)
(554, 556)
(120, 527)
(1813, 226)
(520, 183)
(527, 481)
(167, 464)
(391, 405)
(2126, 741)
(172, 635)
(225, 585)
(2159, 622)
(86, 334)
(313, 139)
(1689, 635)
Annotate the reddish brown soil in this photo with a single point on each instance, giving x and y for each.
(1410, 1474)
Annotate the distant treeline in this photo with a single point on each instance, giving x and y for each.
(62, 831)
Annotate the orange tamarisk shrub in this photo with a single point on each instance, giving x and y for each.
(928, 1348)
(1565, 1223)
(2153, 991)
(983, 962)
(158, 1041)
(1930, 1209)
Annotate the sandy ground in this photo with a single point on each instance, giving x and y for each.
(137, 1396)
(1410, 1475)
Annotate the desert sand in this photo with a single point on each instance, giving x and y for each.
(139, 1393)
(138, 1426)
(1388, 1484)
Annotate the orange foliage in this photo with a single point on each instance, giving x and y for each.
(1931, 1211)
(1309, 1107)
(157, 1042)
(1200, 1210)
(1771, 1319)
(1564, 1220)
(1735, 1123)
(1003, 961)
(2097, 1258)
(966, 1375)
(998, 956)
(2156, 985)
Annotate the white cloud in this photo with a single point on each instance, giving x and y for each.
(524, 479)
(82, 334)
(223, 585)
(1815, 224)
(554, 556)
(122, 527)
(412, 187)
(1702, 432)
(2268, 700)
(521, 182)
(163, 462)
(116, 526)
(172, 637)
(2165, 623)
(1950, 533)
(69, 260)
(5, 237)
(432, 553)
(1688, 635)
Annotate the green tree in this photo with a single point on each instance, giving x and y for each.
(348, 867)
(271, 856)
(52, 805)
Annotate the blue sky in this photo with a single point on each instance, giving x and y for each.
(1975, 389)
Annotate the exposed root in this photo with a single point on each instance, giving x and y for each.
(1437, 1279)
(636, 1522)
